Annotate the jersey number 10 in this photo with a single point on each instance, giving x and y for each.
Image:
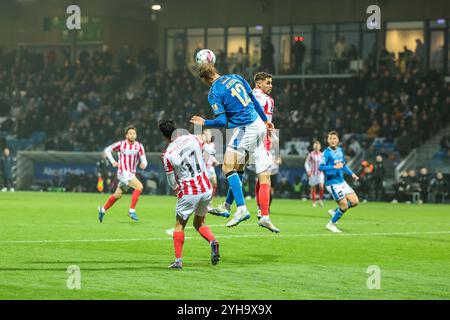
(239, 92)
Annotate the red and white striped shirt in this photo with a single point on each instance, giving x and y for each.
(184, 157)
(265, 101)
(129, 155)
(312, 163)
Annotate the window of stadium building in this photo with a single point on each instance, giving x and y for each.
(236, 49)
(404, 37)
(369, 43)
(325, 47)
(302, 45)
(215, 40)
(195, 42)
(254, 47)
(175, 52)
(281, 41)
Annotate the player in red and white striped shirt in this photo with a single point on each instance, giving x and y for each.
(315, 176)
(130, 153)
(186, 175)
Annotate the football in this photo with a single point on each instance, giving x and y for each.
(205, 56)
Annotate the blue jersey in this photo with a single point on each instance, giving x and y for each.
(231, 95)
(330, 158)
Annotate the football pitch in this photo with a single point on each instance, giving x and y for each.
(403, 250)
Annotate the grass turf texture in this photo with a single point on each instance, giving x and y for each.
(410, 244)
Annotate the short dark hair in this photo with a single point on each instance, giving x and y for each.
(167, 127)
(261, 76)
(130, 127)
(333, 133)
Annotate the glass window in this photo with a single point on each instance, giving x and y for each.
(325, 42)
(405, 25)
(195, 42)
(216, 39)
(438, 24)
(281, 41)
(255, 30)
(175, 54)
(303, 34)
(254, 47)
(437, 55)
(236, 31)
(397, 39)
(216, 42)
(369, 45)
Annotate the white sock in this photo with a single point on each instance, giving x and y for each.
(103, 209)
(132, 210)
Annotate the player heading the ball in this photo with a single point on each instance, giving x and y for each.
(235, 106)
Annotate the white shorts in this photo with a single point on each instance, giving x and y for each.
(124, 179)
(188, 204)
(339, 191)
(315, 180)
(250, 140)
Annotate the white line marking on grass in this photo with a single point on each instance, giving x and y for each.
(304, 235)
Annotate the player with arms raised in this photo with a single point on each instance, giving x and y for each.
(333, 165)
(315, 176)
(131, 152)
(235, 106)
(186, 175)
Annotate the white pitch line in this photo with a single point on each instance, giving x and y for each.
(305, 235)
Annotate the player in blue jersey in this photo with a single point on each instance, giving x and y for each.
(333, 165)
(235, 107)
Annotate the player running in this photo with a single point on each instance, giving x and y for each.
(186, 175)
(131, 152)
(209, 152)
(315, 176)
(263, 87)
(334, 167)
(235, 106)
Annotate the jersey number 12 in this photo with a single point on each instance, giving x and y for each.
(239, 92)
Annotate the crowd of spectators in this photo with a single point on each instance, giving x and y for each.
(84, 106)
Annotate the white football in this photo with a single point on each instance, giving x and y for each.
(205, 56)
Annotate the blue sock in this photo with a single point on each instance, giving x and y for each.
(337, 215)
(230, 196)
(236, 187)
(349, 204)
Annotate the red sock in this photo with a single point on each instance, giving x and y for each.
(264, 198)
(257, 193)
(206, 233)
(321, 194)
(135, 198)
(178, 241)
(214, 191)
(313, 195)
(109, 203)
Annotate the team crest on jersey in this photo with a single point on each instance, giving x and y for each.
(215, 107)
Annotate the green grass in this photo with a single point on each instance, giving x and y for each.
(409, 243)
